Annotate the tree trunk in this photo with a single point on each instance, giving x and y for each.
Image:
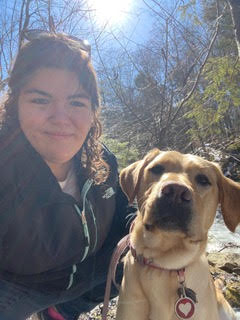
(234, 6)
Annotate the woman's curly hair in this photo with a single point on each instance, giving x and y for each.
(57, 51)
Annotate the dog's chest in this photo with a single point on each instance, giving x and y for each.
(161, 288)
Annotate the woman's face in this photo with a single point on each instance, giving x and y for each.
(55, 114)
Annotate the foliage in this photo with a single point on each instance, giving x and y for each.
(215, 106)
(223, 77)
(234, 146)
(124, 153)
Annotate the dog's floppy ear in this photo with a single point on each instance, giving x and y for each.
(229, 192)
(130, 176)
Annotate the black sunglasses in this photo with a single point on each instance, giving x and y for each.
(33, 34)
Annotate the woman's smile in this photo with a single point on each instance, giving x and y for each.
(59, 135)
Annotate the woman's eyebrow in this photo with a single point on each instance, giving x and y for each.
(33, 90)
(46, 94)
(78, 95)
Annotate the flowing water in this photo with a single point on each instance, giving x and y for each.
(220, 238)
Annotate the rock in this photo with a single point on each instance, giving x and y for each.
(229, 267)
(236, 270)
(225, 261)
(226, 267)
(232, 294)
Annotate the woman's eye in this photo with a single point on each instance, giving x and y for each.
(77, 103)
(40, 101)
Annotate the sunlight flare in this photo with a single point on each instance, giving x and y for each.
(110, 11)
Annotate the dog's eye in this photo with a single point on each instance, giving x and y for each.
(148, 227)
(203, 180)
(158, 169)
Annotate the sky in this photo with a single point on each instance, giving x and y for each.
(130, 18)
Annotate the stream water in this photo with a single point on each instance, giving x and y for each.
(220, 237)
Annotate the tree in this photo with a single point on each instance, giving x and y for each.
(215, 106)
(234, 6)
(154, 83)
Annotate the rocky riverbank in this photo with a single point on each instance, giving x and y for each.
(226, 267)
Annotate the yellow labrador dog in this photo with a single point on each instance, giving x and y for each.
(166, 273)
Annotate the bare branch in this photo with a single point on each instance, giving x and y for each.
(234, 6)
(24, 25)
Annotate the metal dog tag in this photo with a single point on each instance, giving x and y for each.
(184, 308)
(187, 292)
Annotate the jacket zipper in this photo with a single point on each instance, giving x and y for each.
(74, 270)
(85, 189)
(95, 225)
(85, 230)
(82, 216)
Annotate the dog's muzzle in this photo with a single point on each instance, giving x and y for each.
(172, 208)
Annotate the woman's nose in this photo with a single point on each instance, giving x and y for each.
(59, 112)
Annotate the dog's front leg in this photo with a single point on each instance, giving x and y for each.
(132, 303)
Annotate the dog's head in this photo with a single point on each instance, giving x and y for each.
(180, 193)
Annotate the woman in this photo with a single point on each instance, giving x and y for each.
(61, 208)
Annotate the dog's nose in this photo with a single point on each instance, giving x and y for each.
(176, 192)
(172, 209)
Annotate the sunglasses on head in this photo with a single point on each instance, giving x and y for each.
(36, 33)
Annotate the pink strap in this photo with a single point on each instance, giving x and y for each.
(181, 275)
(118, 251)
(54, 314)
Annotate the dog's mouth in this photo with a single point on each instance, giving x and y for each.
(184, 234)
(168, 216)
(197, 241)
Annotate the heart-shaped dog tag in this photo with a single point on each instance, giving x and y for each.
(184, 308)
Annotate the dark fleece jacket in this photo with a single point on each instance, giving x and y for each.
(42, 232)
